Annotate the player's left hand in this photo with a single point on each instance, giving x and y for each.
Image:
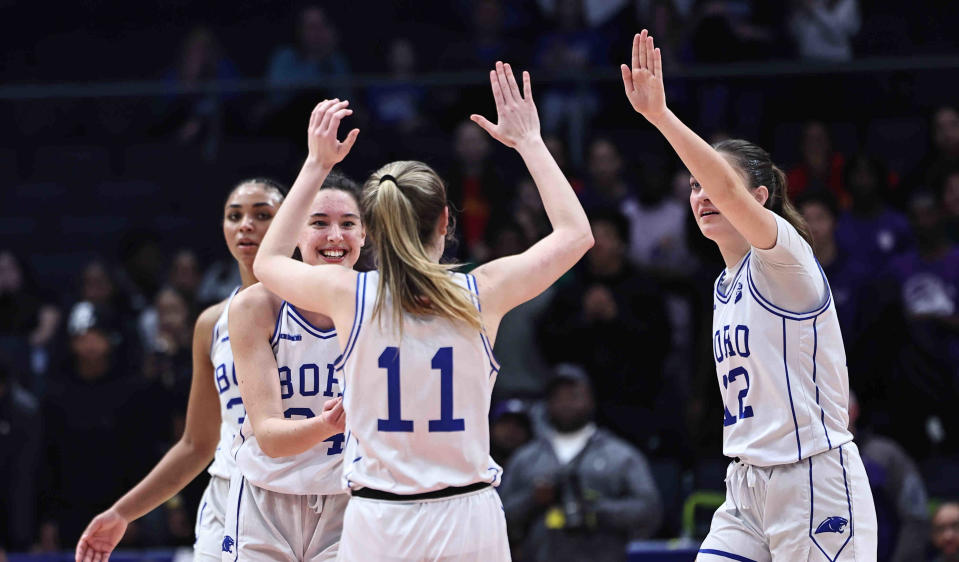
(517, 121)
(324, 147)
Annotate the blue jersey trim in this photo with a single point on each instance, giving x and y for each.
(295, 315)
(487, 347)
(216, 325)
(239, 501)
(779, 311)
(852, 528)
(725, 554)
(360, 308)
(822, 412)
(723, 297)
(242, 442)
(789, 390)
(276, 327)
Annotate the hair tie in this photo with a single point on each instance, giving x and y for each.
(390, 178)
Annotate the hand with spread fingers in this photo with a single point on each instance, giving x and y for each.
(517, 121)
(324, 148)
(644, 81)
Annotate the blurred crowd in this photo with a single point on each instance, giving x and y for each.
(605, 413)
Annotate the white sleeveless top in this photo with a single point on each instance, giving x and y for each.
(232, 412)
(305, 356)
(417, 407)
(782, 373)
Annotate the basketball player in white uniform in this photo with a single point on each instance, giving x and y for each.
(215, 410)
(417, 364)
(287, 497)
(796, 489)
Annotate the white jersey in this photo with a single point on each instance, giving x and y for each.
(232, 412)
(782, 373)
(417, 407)
(305, 356)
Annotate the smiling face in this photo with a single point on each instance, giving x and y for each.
(334, 231)
(246, 216)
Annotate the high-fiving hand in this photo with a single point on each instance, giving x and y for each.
(321, 134)
(516, 118)
(644, 81)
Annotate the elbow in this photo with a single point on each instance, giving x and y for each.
(259, 265)
(270, 449)
(586, 240)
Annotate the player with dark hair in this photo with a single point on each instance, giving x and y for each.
(215, 409)
(796, 488)
(287, 498)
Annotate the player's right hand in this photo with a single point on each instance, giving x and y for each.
(324, 148)
(101, 536)
(333, 415)
(644, 81)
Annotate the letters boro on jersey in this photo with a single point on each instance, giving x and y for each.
(730, 342)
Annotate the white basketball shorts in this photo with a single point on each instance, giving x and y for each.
(209, 520)
(819, 508)
(467, 527)
(266, 525)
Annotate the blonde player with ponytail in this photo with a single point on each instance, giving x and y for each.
(796, 488)
(417, 365)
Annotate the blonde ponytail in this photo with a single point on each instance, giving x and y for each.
(401, 203)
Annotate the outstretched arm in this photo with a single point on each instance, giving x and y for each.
(252, 319)
(721, 182)
(182, 463)
(309, 287)
(510, 281)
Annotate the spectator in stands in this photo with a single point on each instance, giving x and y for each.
(570, 47)
(487, 41)
(823, 29)
(748, 29)
(944, 156)
(919, 299)
(847, 276)
(314, 61)
(168, 357)
(821, 168)
(476, 187)
(184, 276)
(28, 321)
(87, 416)
(870, 230)
(523, 371)
(662, 243)
(606, 312)
(607, 188)
(510, 428)
(945, 532)
(898, 491)
(398, 105)
(578, 493)
(20, 440)
(196, 116)
(949, 193)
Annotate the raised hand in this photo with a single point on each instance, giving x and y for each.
(324, 148)
(644, 81)
(101, 537)
(516, 118)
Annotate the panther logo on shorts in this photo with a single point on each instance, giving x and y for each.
(834, 524)
(228, 544)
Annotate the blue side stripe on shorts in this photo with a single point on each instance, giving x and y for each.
(725, 554)
(236, 541)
